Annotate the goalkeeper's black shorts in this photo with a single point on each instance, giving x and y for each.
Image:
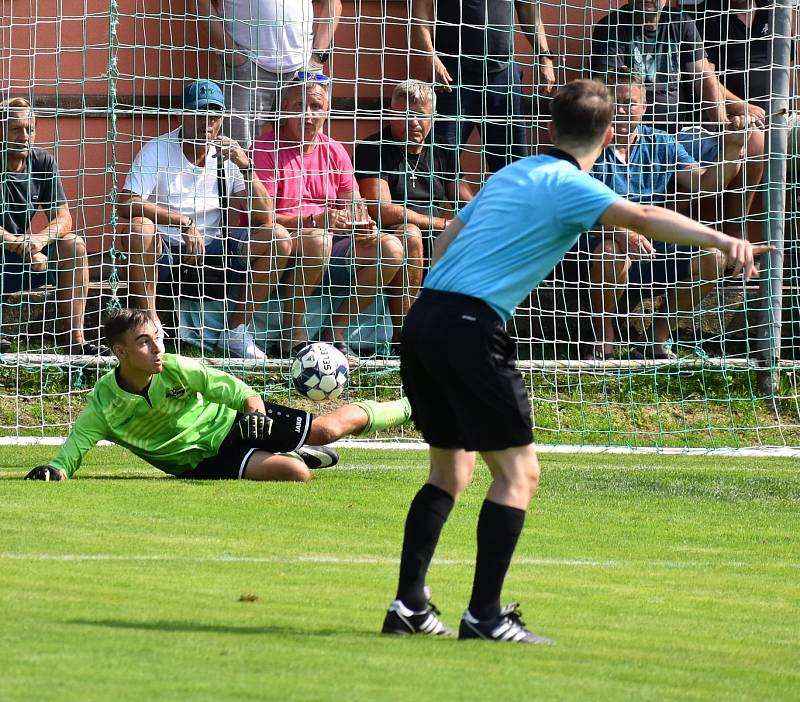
(290, 428)
(458, 369)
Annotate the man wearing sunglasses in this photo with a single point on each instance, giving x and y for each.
(310, 177)
(177, 211)
(261, 45)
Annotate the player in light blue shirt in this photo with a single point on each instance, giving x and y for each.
(458, 363)
(517, 229)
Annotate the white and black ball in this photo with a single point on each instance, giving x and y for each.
(320, 372)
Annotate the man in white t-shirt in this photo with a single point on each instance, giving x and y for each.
(262, 44)
(172, 198)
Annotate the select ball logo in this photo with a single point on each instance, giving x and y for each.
(320, 372)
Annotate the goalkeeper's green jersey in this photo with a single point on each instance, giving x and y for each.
(179, 420)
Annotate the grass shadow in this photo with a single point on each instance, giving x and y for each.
(199, 627)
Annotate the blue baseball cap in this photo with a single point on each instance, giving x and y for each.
(202, 93)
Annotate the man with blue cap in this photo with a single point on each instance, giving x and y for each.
(181, 190)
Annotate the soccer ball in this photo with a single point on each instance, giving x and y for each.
(320, 372)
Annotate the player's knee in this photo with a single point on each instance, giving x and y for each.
(300, 474)
(532, 474)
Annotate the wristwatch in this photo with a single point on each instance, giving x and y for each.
(184, 227)
(321, 56)
(548, 54)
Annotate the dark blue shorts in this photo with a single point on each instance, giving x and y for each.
(341, 272)
(703, 146)
(17, 274)
(233, 246)
(670, 264)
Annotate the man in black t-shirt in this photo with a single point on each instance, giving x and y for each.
(662, 45)
(30, 182)
(470, 59)
(411, 187)
(739, 40)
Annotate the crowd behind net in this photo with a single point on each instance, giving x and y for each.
(106, 77)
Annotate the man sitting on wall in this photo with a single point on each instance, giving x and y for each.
(173, 199)
(411, 187)
(310, 176)
(31, 182)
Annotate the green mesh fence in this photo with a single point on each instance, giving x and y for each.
(620, 346)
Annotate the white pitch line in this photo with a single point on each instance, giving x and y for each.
(379, 560)
(413, 445)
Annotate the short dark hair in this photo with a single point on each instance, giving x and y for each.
(122, 321)
(582, 111)
(14, 104)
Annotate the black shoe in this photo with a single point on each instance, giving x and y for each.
(506, 626)
(297, 348)
(318, 456)
(402, 621)
(352, 357)
(88, 349)
(5, 345)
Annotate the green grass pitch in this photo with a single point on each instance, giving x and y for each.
(660, 578)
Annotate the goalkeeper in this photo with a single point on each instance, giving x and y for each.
(193, 421)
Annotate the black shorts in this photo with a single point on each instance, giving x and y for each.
(457, 367)
(290, 429)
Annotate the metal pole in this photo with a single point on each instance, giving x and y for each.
(771, 284)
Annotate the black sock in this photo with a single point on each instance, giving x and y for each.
(499, 528)
(428, 512)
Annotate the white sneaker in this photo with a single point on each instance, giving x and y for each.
(239, 343)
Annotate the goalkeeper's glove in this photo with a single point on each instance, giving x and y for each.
(45, 473)
(254, 426)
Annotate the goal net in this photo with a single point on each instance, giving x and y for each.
(625, 344)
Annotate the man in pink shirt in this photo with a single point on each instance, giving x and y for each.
(316, 198)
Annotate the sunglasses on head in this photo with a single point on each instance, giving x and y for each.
(311, 77)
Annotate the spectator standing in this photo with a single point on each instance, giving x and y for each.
(310, 176)
(262, 44)
(468, 51)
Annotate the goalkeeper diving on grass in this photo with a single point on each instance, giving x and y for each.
(194, 421)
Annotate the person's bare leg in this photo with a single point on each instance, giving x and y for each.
(738, 194)
(515, 477)
(73, 286)
(144, 246)
(707, 268)
(311, 249)
(609, 278)
(267, 253)
(377, 263)
(451, 471)
(268, 466)
(404, 287)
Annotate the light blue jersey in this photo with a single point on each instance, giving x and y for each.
(517, 228)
